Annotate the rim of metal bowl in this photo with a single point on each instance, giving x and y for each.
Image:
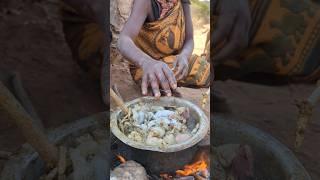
(204, 125)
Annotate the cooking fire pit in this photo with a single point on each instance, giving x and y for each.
(272, 159)
(159, 160)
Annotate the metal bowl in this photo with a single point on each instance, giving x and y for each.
(273, 160)
(196, 113)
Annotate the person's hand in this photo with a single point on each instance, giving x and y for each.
(156, 74)
(181, 67)
(231, 34)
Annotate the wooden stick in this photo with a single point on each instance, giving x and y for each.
(31, 132)
(52, 174)
(118, 101)
(305, 113)
(62, 164)
(204, 99)
(116, 90)
(25, 101)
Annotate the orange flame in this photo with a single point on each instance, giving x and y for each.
(121, 159)
(192, 169)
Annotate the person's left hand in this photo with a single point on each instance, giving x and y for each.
(232, 29)
(181, 67)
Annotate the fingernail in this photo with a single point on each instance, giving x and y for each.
(157, 94)
(169, 94)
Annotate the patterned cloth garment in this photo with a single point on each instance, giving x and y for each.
(166, 6)
(163, 39)
(284, 42)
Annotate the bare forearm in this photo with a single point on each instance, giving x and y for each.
(188, 48)
(131, 52)
(188, 44)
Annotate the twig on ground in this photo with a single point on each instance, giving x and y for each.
(62, 164)
(305, 113)
(52, 174)
(205, 97)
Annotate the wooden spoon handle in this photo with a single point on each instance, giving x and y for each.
(31, 132)
(119, 101)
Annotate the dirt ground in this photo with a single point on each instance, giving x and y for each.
(33, 44)
(273, 110)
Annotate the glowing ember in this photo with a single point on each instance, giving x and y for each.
(166, 176)
(192, 169)
(121, 159)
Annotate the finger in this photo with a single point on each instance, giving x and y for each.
(164, 82)
(185, 72)
(237, 42)
(182, 74)
(179, 70)
(154, 85)
(144, 85)
(170, 77)
(223, 28)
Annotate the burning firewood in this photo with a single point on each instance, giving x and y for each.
(121, 159)
(199, 169)
(199, 177)
(166, 176)
(185, 178)
(192, 168)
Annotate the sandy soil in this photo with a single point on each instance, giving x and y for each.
(273, 110)
(200, 37)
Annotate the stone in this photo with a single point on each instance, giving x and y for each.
(130, 170)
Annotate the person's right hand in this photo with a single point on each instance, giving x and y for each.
(156, 74)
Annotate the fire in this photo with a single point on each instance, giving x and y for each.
(166, 176)
(199, 167)
(192, 169)
(121, 159)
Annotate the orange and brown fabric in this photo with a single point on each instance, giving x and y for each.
(285, 41)
(163, 39)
